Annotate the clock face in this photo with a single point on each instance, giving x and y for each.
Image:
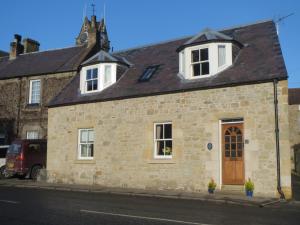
(84, 37)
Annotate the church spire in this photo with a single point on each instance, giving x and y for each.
(92, 33)
(104, 40)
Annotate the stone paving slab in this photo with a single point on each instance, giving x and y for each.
(219, 197)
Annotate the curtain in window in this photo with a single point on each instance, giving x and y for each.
(221, 55)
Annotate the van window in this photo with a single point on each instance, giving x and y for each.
(3, 151)
(34, 147)
(14, 149)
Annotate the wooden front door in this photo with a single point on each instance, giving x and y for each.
(233, 153)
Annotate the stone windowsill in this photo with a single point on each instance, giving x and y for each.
(84, 161)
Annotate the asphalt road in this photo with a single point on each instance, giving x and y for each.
(24, 206)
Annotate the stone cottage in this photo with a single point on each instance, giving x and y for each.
(175, 114)
(294, 121)
(30, 78)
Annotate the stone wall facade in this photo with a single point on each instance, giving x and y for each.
(14, 99)
(294, 121)
(124, 146)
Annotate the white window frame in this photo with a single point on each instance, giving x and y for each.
(30, 91)
(156, 156)
(79, 144)
(98, 79)
(200, 62)
(33, 133)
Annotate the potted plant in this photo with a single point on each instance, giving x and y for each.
(211, 186)
(249, 187)
(167, 150)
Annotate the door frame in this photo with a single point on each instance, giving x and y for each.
(228, 121)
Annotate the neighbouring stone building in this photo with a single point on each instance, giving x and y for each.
(294, 121)
(175, 114)
(30, 78)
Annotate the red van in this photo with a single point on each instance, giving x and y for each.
(26, 157)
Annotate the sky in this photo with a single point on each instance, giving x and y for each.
(131, 23)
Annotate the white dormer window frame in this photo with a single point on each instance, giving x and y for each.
(106, 76)
(186, 62)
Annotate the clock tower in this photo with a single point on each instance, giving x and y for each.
(92, 33)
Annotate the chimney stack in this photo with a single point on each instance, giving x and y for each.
(30, 45)
(16, 48)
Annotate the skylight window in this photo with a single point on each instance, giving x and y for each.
(148, 73)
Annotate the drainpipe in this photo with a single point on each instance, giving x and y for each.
(275, 82)
(19, 106)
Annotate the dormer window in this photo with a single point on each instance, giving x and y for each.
(200, 62)
(91, 80)
(206, 54)
(101, 71)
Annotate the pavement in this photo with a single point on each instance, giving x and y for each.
(38, 206)
(219, 197)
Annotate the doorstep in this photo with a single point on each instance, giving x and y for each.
(220, 196)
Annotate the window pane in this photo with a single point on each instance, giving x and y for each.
(205, 68)
(204, 54)
(83, 152)
(227, 146)
(227, 139)
(32, 135)
(90, 150)
(239, 138)
(195, 56)
(168, 131)
(95, 84)
(107, 74)
(233, 147)
(159, 131)
(168, 148)
(35, 91)
(88, 74)
(227, 153)
(233, 153)
(196, 69)
(91, 135)
(89, 85)
(221, 55)
(159, 147)
(83, 136)
(95, 73)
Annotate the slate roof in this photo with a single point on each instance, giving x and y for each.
(103, 56)
(294, 96)
(45, 62)
(260, 60)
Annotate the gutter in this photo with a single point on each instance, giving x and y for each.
(275, 82)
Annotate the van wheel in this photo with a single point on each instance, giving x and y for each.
(34, 172)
